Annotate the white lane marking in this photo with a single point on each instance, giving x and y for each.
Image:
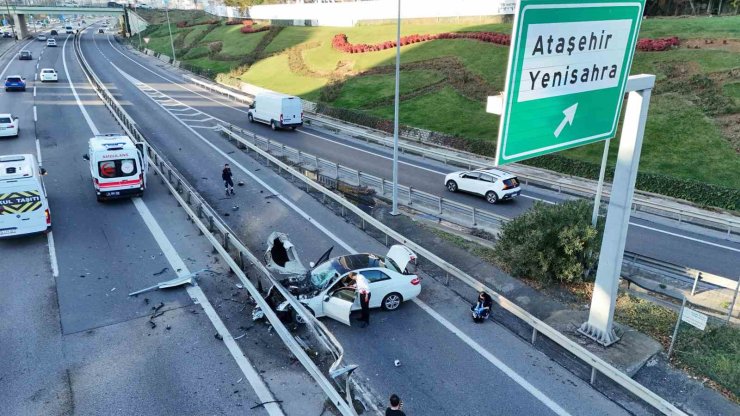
(687, 237)
(37, 64)
(52, 254)
(286, 201)
(35, 116)
(35, 75)
(74, 91)
(169, 251)
(492, 359)
(34, 91)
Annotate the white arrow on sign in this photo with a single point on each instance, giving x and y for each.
(569, 112)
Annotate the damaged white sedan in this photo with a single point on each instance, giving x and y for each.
(324, 288)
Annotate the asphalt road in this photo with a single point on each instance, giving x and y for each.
(73, 341)
(660, 239)
(450, 366)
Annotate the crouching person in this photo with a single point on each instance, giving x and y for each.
(482, 307)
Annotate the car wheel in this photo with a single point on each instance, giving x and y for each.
(392, 301)
(250, 118)
(452, 186)
(491, 197)
(273, 125)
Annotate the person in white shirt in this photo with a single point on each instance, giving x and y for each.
(363, 290)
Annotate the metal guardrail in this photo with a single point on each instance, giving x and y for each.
(450, 210)
(231, 249)
(471, 160)
(413, 198)
(538, 327)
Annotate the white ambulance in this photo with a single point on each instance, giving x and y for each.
(118, 166)
(24, 208)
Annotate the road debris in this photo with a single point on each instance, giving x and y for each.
(178, 281)
(397, 363)
(257, 314)
(218, 337)
(161, 271)
(240, 336)
(264, 403)
(241, 183)
(239, 286)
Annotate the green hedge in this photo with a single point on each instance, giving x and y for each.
(699, 192)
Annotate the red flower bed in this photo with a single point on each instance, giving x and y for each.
(251, 29)
(341, 43)
(655, 45)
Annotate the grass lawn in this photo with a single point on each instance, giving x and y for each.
(711, 353)
(234, 42)
(680, 141)
(360, 90)
(691, 28)
(426, 112)
(213, 65)
(274, 71)
(194, 33)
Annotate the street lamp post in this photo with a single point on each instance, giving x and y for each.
(169, 27)
(394, 209)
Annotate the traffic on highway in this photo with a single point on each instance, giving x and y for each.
(118, 297)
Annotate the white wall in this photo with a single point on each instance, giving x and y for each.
(349, 13)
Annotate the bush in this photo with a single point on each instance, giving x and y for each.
(656, 45)
(234, 22)
(340, 41)
(551, 243)
(701, 193)
(252, 29)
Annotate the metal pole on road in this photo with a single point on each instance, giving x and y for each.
(599, 326)
(394, 209)
(600, 186)
(169, 27)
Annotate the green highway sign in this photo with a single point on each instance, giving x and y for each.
(568, 67)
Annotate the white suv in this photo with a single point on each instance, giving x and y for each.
(494, 184)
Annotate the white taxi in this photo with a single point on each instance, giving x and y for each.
(49, 74)
(8, 125)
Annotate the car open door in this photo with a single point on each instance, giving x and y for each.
(338, 304)
(143, 159)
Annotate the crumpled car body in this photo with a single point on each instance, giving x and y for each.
(324, 287)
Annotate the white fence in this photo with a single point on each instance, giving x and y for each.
(349, 13)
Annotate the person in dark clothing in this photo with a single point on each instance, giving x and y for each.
(228, 182)
(395, 407)
(482, 307)
(362, 287)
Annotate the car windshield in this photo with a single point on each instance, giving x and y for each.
(326, 272)
(48, 71)
(5, 120)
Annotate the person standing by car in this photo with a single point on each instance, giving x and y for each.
(363, 290)
(395, 407)
(226, 175)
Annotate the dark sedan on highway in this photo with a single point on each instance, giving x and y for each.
(25, 56)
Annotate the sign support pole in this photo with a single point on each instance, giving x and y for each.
(599, 326)
(600, 186)
(675, 331)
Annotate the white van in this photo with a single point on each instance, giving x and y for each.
(277, 110)
(117, 165)
(24, 208)
(69, 29)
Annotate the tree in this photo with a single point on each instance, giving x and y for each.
(551, 243)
